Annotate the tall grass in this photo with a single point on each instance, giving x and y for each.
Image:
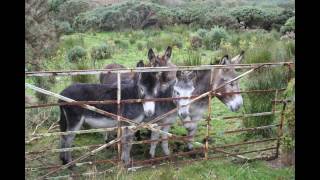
(264, 50)
(193, 58)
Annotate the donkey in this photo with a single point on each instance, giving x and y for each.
(72, 118)
(165, 78)
(184, 83)
(111, 78)
(195, 111)
(154, 61)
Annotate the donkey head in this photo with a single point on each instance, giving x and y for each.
(158, 61)
(221, 76)
(163, 61)
(148, 85)
(184, 87)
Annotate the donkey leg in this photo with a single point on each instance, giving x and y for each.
(164, 144)
(126, 140)
(192, 129)
(154, 136)
(66, 140)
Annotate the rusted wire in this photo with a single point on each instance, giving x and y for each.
(226, 132)
(250, 129)
(183, 138)
(151, 69)
(127, 101)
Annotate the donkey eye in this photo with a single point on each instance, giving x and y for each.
(177, 93)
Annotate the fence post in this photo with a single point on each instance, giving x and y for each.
(209, 117)
(280, 129)
(119, 133)
(275, 101)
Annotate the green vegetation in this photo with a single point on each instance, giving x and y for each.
(76, 54)
(78, 35)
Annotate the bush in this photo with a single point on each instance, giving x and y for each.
(82, 64)
(288, 26)
(132, 41)
(288, 139)
(72, 41)
(255, 17)
(202, 32)
(218, 19)
(54, 5)
(129, 14)
(214, 37)
(63, 27)
(102, 51)
(76, 54)
(195, 41)
(140, 45)
(68, 10)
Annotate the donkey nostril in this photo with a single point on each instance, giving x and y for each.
(149, 113)
(183, 115)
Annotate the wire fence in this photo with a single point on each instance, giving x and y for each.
(210, 150)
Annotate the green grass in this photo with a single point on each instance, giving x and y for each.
(217, 169)
(129, 56)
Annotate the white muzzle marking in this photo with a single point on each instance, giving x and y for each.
(235, 103)
(149, 108)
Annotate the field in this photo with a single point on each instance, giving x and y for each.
(127, 47)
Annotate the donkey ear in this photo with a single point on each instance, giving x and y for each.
(237, 59)
(225, 60)
(151, 55)
(168, 52)
(140, 64)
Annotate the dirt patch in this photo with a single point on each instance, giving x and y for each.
(284, 160)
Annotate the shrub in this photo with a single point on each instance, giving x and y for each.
(288, 26)
(82, 64)
(255, 17)
(132, 41)
(140, 45)
(195, 41)
(214, 37)
(218, 19)
(76, 53)
(70, 9)
(129, 14)
(63, 27)
(54, 5)
(102, 51)
(72, 41)
(288, 139)
(202, 32)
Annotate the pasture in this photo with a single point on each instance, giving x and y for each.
(128, 57)
(201, 43)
